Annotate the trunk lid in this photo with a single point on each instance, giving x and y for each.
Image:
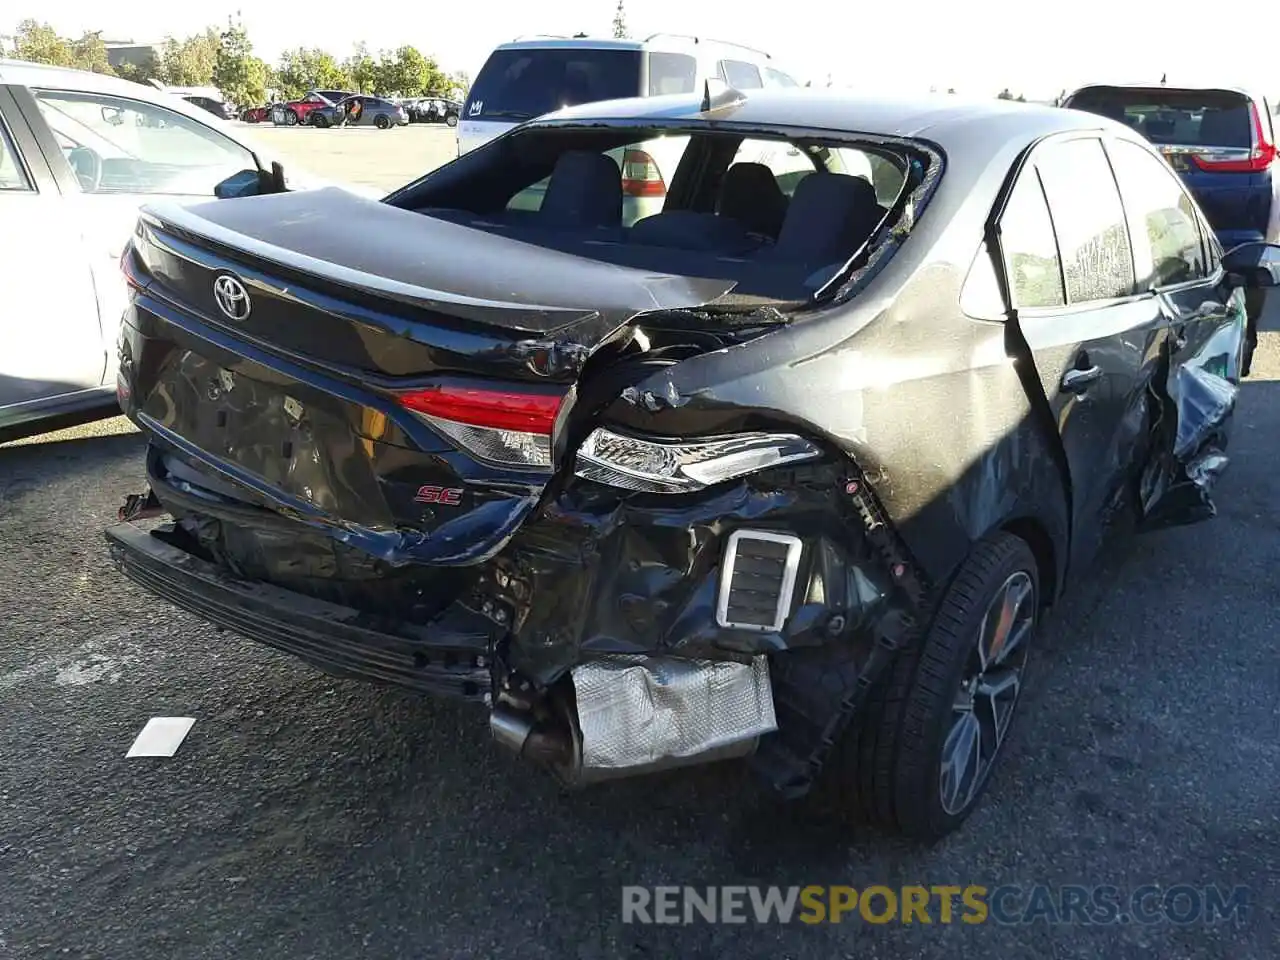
(393, 392)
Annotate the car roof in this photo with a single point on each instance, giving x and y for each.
(938, 117)
(1157, 85)
(25, 74)
(656, 41)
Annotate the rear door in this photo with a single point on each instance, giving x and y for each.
(1065, 243)
(51, 343)
(520, 83)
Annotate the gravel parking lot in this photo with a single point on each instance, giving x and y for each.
(310, 817)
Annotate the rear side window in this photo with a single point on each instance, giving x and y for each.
(671, 73)
(1030, 250)
(1210, 118)
(740, 75)
(1088, 219)
(777, 78)
(528, 82)
(1167, 244)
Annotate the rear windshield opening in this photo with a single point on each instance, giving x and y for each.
(526, 82)
(1208, 118)
(780, 217)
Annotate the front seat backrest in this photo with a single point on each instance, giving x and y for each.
(750, 194)
(585, 190)
(830, 216)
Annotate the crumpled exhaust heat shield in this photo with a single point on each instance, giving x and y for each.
(639, 711)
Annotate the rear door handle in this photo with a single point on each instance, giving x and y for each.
(1077, 380)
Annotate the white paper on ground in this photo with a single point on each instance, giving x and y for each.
(161, 737)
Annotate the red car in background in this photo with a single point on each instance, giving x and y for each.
(299, 111)
(256, 114)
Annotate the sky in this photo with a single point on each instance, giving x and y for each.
(978, 47)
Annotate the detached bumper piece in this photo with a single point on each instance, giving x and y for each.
(449, 658)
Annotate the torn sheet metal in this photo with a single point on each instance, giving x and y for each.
(1191, 436)
(635, 711)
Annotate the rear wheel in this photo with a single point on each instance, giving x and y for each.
(922, 752)
(290, 118)
(320, 121)
(381, 121)
(451, 119)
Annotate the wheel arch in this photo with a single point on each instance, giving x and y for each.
(1050, 556)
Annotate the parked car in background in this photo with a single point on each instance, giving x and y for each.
(361, 110)
(79, 153)
(527, 78)
(218, 107)
(1221, 141)
(434, 110)
(295, 112)
(257, 114)
(789, 470)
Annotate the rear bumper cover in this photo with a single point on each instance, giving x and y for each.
(450, 658)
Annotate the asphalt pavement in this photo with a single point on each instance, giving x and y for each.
(308, 817)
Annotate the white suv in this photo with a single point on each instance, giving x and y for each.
(528, 78)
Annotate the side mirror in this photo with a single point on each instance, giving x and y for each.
(1253, 264)
(252, 183)
(113, 115)
(246, 183)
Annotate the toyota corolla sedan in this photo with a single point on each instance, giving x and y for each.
(788, 471)
(79, 154)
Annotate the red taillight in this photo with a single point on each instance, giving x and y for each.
(484, 407)
(126, 268)
(1256, 160)
(641, 176)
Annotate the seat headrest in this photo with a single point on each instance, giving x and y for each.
(585, 190)
(830, 215)
(750, 194)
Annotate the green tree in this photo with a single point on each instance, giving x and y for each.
(361, 68)
(40, 43)
(408, 73)
(190, 62)
(305, 69)
(242, 77)
(147, 69)
(620, 22)
(90, 53)
(458, 85)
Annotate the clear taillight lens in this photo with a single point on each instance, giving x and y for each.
(679, 466)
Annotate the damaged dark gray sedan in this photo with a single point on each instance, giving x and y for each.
(788, 470)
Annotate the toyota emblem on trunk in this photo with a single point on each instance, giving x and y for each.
(232, 297)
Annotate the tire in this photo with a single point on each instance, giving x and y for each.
(381, 121)
(319, 121)
(290, 118)
(891, 759)
(451, 119)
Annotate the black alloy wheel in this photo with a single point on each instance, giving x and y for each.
(921, 752)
